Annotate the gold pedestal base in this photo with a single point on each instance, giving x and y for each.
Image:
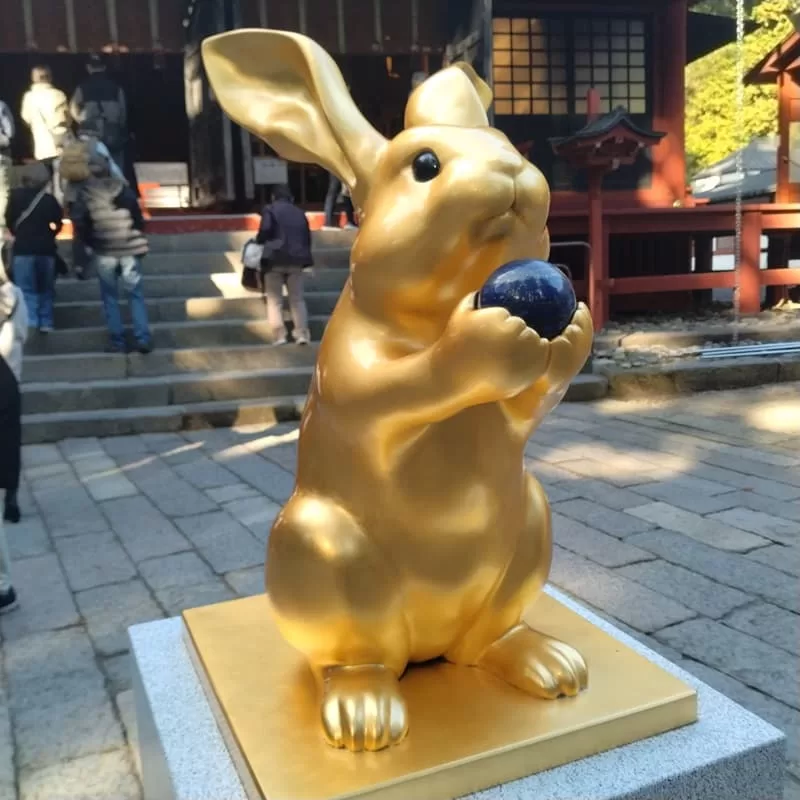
(468, 730)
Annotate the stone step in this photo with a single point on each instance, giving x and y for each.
(41, 428)
(235, 240)
(181, 309)
(172, 416)
(56, 397)
(223, 241)
(208, 262)
(167, 335)
(217, 284)
(82, 367)
(586, 387)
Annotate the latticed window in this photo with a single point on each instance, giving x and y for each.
(530, 66)
(610, 55)
(547, 66)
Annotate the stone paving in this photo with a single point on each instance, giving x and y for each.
(678, 520)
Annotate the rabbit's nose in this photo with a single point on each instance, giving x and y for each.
(508, 161)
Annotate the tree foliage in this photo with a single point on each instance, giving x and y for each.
(711, 129)
(725, 8)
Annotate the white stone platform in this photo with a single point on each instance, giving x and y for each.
(728, 753)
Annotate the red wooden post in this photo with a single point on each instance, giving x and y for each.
(597, 277)
(669, 163)
(592, 105)
(703, 253)
(778, 248)
(750, 266)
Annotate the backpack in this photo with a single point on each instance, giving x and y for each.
(113, 135)
(74, 164)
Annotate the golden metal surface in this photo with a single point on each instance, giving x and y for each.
(414, 531)
(470, 730)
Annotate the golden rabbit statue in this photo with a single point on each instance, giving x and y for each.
(414, 531)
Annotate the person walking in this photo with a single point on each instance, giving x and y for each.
(45, 111)
(107, 219)
(75, 168)
(336, 193)
(100, 103)
(6, 137)
(13, 332)
(285, 228)
(34, 217)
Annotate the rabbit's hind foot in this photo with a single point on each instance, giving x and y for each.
(535, 663)
(362, 708)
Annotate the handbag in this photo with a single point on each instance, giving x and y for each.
(62, 269)
(252, 253)
(255, 260)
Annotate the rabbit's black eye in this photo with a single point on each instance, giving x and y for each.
(426, 166)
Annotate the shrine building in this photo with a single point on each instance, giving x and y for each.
(542, 58)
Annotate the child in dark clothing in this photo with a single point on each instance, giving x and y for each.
(34, 218)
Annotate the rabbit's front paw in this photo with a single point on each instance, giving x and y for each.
(569, 351)
(362, 708)
(537, 664)
(488, 347)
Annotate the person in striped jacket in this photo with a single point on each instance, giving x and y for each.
(107, 218)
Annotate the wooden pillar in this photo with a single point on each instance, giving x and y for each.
(750, 265)
(597, 277)
(668, 62)
(703, 253)
(703, 262)
(777, 257)
(784, 104)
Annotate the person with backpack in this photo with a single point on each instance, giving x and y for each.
(13, 332)
(74, 168)
(45, 111)
(107, 219)
(100, 103)
(285, 228)
(6, 137)
(34, 218)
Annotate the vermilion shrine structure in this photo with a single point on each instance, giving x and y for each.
(652, 242)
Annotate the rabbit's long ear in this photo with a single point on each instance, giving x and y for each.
(286, 89)
(453, 96)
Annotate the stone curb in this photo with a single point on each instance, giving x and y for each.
(586, 387)
(674, 379)
(695, 337)
(52, 427)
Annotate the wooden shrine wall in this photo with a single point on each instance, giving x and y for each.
(341, 26)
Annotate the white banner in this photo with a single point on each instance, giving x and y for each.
(269, 171)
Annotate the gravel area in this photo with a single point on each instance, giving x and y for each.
(714, 318)
(657, 339)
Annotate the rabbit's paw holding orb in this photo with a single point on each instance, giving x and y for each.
(537, 664)
(362, 708)
(490, 347)
(569, 351)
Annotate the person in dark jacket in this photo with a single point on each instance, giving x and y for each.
(101, 103)
(284, 229)
(13, 332)
(7, 130)
(34, 218)
(107, 218)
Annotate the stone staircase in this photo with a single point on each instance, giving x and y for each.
(211, 365)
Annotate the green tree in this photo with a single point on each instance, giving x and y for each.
(711, 130)
(725, 8)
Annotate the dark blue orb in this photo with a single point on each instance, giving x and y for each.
(536, 291)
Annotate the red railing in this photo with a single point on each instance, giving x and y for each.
(697, 222)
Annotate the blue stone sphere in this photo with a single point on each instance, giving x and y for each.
(536, 291)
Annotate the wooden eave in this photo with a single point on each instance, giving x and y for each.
(785, 57)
